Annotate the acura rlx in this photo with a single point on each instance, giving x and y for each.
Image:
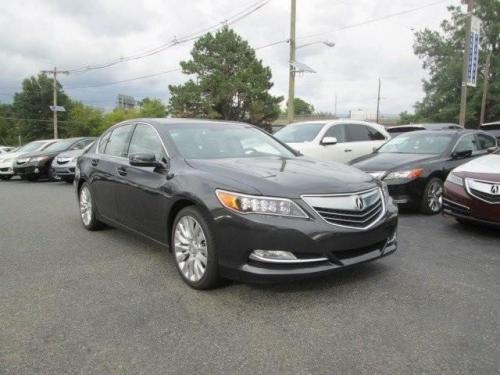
(231, 201)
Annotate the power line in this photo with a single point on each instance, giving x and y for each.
(123, 80)
(366, 22)
(175, 41)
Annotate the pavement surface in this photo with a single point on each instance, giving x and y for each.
(109, 302)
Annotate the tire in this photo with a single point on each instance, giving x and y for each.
(5, 178)
(194, 250)
(51, 176)
(432, 199)
(31, 178)
(87, 207)
(69, 180)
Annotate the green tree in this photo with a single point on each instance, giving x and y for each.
(32, 105)
(152, 108)
(8, 125)
(84, 120)
(230, 82)
(442, 56)
(116, 116)
(301, 107)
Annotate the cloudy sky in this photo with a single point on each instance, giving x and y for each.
(70, 34)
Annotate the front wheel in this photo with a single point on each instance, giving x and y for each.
(5, 178)
(432, 200)
(194, 250)
(88, 209)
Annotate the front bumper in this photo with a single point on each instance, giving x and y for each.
(237, 236)
(30, 170)
(406, 193)
(67, 171)
(6, 169)
(458, 203)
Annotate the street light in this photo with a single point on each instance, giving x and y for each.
(325, 42)
(296, 67)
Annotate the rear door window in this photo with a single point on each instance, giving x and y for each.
(357, 133)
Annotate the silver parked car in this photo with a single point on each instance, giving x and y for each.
(63, 165)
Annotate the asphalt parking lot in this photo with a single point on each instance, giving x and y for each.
(108, 302)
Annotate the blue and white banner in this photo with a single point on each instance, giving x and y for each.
(473, 57)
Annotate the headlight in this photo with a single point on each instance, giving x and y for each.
(250, 204)
(385, 190)
(454, 179)
(405, 175)
(38, 159)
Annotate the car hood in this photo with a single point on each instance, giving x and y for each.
(489, 164)
(11, 155)
(287, 177)
(70, 154)
(389, 161)
(41, 153)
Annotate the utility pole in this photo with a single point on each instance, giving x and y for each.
(485, 87)
(54, 73)
(463, 97)
(378, 101)
(291, 78)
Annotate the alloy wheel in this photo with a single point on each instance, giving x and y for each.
(190, 247)
(86, 205)
(435, 197)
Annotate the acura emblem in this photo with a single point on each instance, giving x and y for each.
(494, 189)
(360, 204)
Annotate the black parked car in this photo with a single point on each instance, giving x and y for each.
(493, 128)
(232, 201)
(415, 165)
(35, 165)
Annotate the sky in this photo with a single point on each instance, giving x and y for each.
(70, 34)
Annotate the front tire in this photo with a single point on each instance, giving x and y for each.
(432, 200)
(194, 249)
(88, 209)
(69, 180)
(5, 178)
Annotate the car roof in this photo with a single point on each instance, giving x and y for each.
(177, 121)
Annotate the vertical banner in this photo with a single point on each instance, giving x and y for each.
(473, 58)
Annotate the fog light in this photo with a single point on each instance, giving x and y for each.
(392, 238)
(36, 170)
(264, 255)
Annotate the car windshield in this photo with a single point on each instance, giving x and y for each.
(60, 145)
(32, 146)
(299, 133)
(214, 141)
(417, 143)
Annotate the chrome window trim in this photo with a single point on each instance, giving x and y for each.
(157, 134)
(376, 221)
(467, 188)
(477, 152)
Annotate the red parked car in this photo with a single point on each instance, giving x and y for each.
(472, 191)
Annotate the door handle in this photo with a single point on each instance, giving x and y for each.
(122, 171)
(347, 150)
(94, 162)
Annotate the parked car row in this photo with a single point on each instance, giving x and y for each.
(50, 159)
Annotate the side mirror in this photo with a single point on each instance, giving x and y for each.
(375, 149)
(462, 154)
(145, 159)
(327, 141)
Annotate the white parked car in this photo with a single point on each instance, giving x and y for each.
(7, 160)
(338, 140)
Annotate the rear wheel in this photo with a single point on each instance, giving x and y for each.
(194, 250)
(88, 209)
(432, 200)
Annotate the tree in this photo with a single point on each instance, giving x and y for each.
(84, 120)
(32, 106)
(230, 82)
(152, 108)
(302, 108)
(442, 56)
(8, 125)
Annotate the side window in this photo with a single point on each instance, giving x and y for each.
(118, 141)
(485, 141)
(144, 140)
(81, 145)
(357, 133)
(467, 143)
(337, 131)
(103, 142)
(375, 135)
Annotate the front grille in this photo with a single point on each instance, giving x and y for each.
(483, 190)
(346, 209)
(485, 196)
